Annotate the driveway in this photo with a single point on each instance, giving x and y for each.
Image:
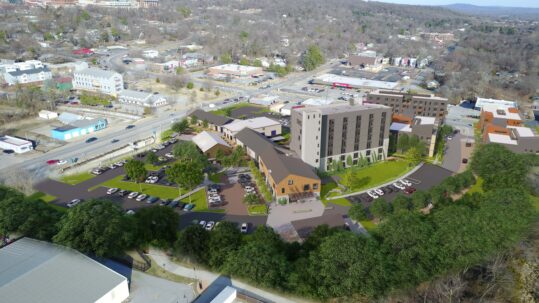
(232, 195)
(456, 150)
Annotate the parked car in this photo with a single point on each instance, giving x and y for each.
(53, 162)
(379, 192)
(141, 197)
(8, 151)
(181, 205)
(130, 212)
(173, 204)
(123, 193)
(372, 194)
(464, 160)
(409, 190)
(130, 126)
(399, 185)
(189, 207)
(61, 162)
(111, 190)
(210, 225)
(152, 200)
(202, 223)
(133, 195)
(96, 171)
(74, 202)
(244, 228)
(169, 155)
(405, 182)
(114, 140)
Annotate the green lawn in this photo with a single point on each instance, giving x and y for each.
(259, 209)
(379, 173)
(76, 178)
(46, 198)
(326, 188)
(201, 204)
(477, 187)
(368, 224)
(161, 191)
(339, 201)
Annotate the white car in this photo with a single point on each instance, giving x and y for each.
(210, 225)
(244, 228)
(132, 195)
(399, 185)
(372, 194)
(405, 182)
(119, 163)
(379, 192)
(141, 197)
(61, 162)
(169, 155)
(202, 223)
(130, 212)
(112, 166)
(73, 202)
(112, 190)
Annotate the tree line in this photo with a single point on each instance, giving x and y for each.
(407, 248)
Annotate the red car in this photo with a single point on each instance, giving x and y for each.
(53, 162)
(409, 190)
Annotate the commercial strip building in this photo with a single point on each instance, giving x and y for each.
(210, 143)
(145, 99)
(17, 145)
(38, 271)
(98, 80)
(425, 128)
(287, 177)
(263, 125)
(327, 134)
(365, 59)
(426, 105)
(234, 70)
(504, 126)
(351, 82)
(79, 128)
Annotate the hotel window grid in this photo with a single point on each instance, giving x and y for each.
(344, 134)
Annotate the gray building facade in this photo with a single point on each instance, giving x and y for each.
(326, 134)
(410, 104)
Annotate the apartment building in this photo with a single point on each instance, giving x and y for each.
(503, 125)
(98, 80)
(31, 71)
(325, 134)
(425, 105)
(142, 99)
(425, 128)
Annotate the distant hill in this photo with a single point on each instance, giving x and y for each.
(495, 11)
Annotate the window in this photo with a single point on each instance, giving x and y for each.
(380, 150)
(306, 187)
(290, 182)
(342, 158)
(368, 153)
(356, 155)
(282, 190)
(315, 186)
(330, 160)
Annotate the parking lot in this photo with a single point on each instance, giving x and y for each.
(423, 179)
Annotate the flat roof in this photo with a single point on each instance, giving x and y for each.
(97, 72)
(129, 93)
(14, 141)
(341, 108)
(499, 102)
(236, 68)
(522, 131)
(426, 120)
(400, 127)
(317, 101)
(502, 139)
(501, 112)
(330, 79)
(253, 123)
(38, 271)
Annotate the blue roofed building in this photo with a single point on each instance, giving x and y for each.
(79, 128)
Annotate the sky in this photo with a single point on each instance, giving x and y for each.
(512, 3)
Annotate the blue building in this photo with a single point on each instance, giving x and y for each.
(79, 128)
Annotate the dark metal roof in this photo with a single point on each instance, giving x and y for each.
(211, 118)
(279, 164)
(29, 71)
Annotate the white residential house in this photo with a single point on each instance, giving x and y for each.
(150, 54)
(98, 80)
(145, 99)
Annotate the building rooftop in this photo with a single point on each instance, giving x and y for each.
(210, 117)
(331, 78)
(21, 72)
(96, 72)
(236, 67)
(481, 102)
(502, 112)
(522, 131)
(253, 123)
(340, 108)
(502, 139)
(279, 165)
(318, 102)
(206, 140)
(38, 271)
(135, 94)
(14, 141)
(422, 120)
(400, 127)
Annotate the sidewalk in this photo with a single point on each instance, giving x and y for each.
(207, 278)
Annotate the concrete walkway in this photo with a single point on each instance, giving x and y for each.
(207, 278)
(378, 186)
(280, 215)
